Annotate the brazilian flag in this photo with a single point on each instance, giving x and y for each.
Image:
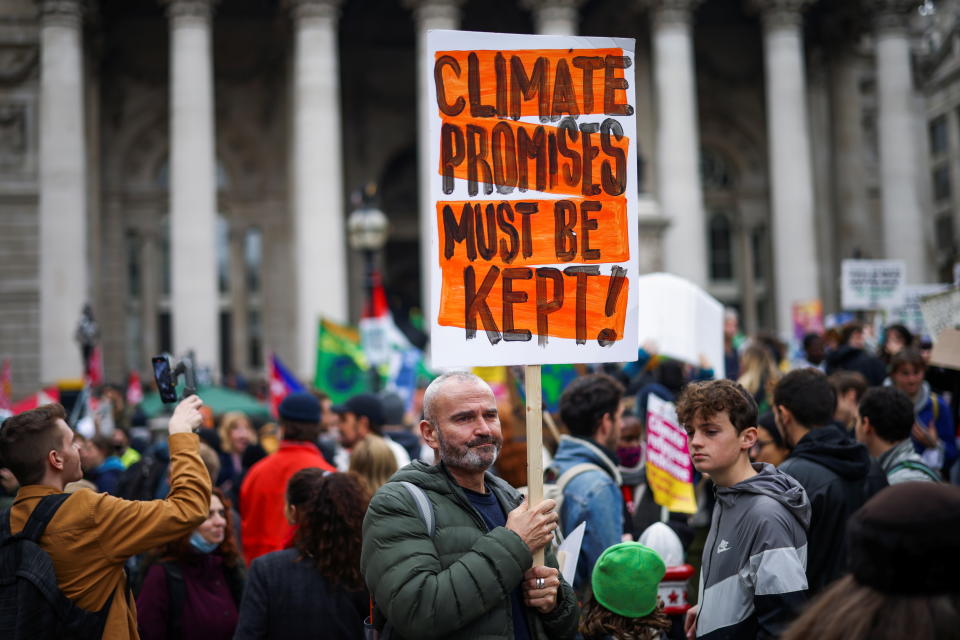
(554, 378)
(341, 365)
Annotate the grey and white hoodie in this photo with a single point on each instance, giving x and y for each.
(753, 580)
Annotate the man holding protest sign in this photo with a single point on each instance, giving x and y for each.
(533, 230)
(473, 576)
(534, 200)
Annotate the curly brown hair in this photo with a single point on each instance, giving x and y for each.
(330, 510)
(180, 550)
(707, 399)
(598, 622)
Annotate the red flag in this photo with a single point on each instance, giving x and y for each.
(34, 400)
(375, 324)
(376, 305)
(282, 384)
(6, 385)
(134, 389)
(94, 372)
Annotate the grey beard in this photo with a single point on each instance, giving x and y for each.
(467, 458)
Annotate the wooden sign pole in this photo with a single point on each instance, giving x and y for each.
(534, 442)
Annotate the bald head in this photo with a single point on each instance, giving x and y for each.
(435, 391)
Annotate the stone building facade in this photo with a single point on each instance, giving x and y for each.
(187, 166)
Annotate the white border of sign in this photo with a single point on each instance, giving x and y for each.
(449, 348)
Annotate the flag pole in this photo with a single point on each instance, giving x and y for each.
(534, 442)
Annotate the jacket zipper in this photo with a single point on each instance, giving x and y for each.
(710, 554)
(483, 526)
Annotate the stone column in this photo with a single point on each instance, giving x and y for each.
(320, 267)
(795, 267)
(555, 17)
(428, 14)
(678, 140)
(64, 268)
(193, 186)
(903, 223)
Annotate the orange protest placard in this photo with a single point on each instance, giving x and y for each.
(531, 82)
(588, 159)
(534, 199)
(531, 232)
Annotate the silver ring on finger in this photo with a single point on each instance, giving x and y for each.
(540, 583)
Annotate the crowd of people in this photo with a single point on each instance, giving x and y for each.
(825, 508)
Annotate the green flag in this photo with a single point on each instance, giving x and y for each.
(554, 378)
(341, 365)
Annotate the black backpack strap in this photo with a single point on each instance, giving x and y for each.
(42, 515)
(177, 597)
(5, 523)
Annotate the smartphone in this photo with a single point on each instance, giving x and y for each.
(164, 377)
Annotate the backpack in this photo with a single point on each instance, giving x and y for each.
(140, 481)
(554, 486)
(914, 465)
(32, 606)
(430, 523)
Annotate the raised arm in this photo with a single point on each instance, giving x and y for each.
(128, 527)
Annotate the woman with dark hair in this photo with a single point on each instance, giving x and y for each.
(314, 589)
(770, 446)
(193, 585)
(896, 338)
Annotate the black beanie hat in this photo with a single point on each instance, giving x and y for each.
(906, 540)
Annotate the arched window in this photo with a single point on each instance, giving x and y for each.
(720, 247)
(165, 264)
(716, 170)
(223, 254)
(253, 263)
(132, 246)
(253, 258)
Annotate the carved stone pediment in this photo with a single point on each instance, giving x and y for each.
(17, 62)
(14, 135)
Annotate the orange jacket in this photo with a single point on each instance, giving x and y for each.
(93, 534)
(262, 496)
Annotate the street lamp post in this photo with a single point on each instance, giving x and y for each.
(367, 229)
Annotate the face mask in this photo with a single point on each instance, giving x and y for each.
(331, 437)
(629, 457)
(200, 544)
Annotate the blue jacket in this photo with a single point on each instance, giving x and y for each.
(944, 423)
(593, 497)
(107, 475)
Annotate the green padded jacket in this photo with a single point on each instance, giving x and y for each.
(456, 584)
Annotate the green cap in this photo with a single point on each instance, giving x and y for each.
(626, 579)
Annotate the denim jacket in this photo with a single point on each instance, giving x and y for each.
(592, 496)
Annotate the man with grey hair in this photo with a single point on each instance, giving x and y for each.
(470, 573)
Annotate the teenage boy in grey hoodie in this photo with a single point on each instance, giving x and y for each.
(753, 577)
